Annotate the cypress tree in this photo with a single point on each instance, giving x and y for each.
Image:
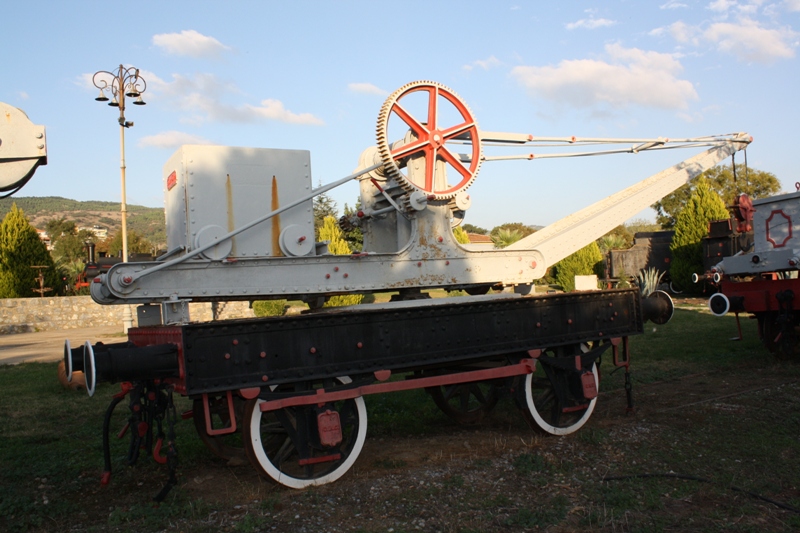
(20, 249)
(337, 246)
(460, 235)
(691, 225)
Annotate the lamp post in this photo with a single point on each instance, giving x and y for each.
(122, 83)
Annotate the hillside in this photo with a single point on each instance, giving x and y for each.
(147, 221)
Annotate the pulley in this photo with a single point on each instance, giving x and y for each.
(23, 149)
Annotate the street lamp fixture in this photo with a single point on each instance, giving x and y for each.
(119, 84)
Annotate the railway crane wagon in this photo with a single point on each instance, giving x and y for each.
(762, 278)
(240, 227)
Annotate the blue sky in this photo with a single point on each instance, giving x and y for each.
(313, 75)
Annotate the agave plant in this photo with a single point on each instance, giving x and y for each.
(649, 280)
(505, 237)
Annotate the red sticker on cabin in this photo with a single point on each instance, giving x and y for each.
(172, 180)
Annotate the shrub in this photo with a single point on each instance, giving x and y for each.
(587, 260)
(269, 307)
(461, 235)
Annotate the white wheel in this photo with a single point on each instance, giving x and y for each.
(285, 445)
(548, 414)
(553, 397)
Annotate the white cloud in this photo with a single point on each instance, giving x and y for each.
(271, 109)
(190, 43)
(750, 42)
(485, 64)
(172, 139)
(721, 6)
(746, 8)
(672, 4)
(746, 39)
(630, 77)
(23, 95)
(750, 8)
(792, 5)
(366, 88)
(203, 97)
(683, 33)
(590, 23)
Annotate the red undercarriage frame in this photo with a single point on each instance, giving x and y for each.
(759, 295)
(764, 299)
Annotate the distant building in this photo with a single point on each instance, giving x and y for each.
(99, 231)
(479, 242)
(45, 238)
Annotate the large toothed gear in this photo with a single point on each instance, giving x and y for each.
(424, 146)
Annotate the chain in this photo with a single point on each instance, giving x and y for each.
(172, 451)
(629, 391)
(135, 424)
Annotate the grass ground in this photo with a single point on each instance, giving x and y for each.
(714, 437)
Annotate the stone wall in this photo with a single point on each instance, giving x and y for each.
(20, 315)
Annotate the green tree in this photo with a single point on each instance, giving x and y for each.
(618, 238)
(59, 227)
(586, 261)
(612, 242)
(137, 244)
(640, 224)
(469, 228)
(755, 183)
(71, 248)
(354, 236)
(337, 246)
(461, 235)
(523, 230)
(20, 249)
(324, 206)
(703, 206)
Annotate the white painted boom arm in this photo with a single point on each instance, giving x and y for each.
(571, 233)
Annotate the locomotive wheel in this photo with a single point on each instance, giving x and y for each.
(466, 403)
(274, 441)
(542, 408)
(781, 344)
(228, 447)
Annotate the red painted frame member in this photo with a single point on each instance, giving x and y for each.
(526, 366)
(759, 295)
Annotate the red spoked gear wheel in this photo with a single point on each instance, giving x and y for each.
(431, 135)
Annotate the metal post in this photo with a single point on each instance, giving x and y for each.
(123, 206)
(127, 314)
(124, 82)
